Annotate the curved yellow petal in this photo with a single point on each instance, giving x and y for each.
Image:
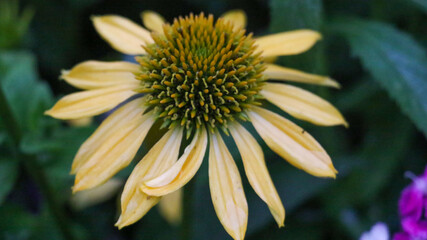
(91, 102)
(140, 204)
(226, 189)
(237, 17)
(110, 128)
(170, 207)
(287, 43)
(281, 73)
(153, 21)
(256, 171)
(134, 203)
(292, 143)
(182, 171)
(122, 34)
(114, 153)
(96, 74)
(302, 104)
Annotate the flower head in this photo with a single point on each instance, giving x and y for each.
(197, 76)
(200, 72)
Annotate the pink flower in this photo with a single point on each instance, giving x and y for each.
(411, 202)
(401, 236)
(413, 210)
(416, 228)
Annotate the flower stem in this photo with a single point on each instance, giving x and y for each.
(31, 165)
(187, 216)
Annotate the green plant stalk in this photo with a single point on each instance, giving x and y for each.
(187, 210)
(32, 167)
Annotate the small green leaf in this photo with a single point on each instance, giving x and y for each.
(33, 144)
(394, 59)
(8, 176)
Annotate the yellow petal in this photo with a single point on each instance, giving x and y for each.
(140, 204)
(281, 73)
(153, 21)
(302, 104)
(226, 189)
(287, 43)
(80, 122)
(122, 34)
(109, 129)
(237, 17)
(91, 102)
(256, 171)
(96, 74)
(170, 207)
(182, 171)
(96, 195)
(134, 203)
(114, 153)
(292, 143)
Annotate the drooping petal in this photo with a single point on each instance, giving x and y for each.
(277, 72)
(122, 34)
(256, 171)
(104, 192)
(170, 207)
(110, 128)
(237, 17)
(134, 203)
(96, 74)
(302, 104)
(153, 21)
(182, 171)
(91, 102)
(80, 122)
(292, 143)
(287, 43)
(114, 153)
(226, 189)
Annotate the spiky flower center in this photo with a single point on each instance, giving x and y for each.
(201, 72)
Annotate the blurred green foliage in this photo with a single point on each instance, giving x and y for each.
(375, 48)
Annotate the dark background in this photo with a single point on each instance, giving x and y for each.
(376, 49)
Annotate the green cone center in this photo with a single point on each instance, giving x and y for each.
(200, 72)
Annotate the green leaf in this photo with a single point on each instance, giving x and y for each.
(13, 23)
(394, 59)
(27, 96)
(8, 176)
(287, 15)
(421, 3)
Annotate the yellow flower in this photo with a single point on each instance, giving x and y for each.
(196, 76)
